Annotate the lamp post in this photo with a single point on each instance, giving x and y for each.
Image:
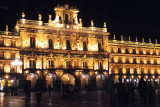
(16, 63)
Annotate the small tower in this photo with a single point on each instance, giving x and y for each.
(129, 38)
(7, 30)
(143, 40)
(156, 41)
(50, 18)
(23, 15)
(121, 37)
(136, 39)
(149, 40)
(114, 37)
(92, 23)
(39, 17)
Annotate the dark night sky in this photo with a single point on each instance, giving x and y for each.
(127, 17)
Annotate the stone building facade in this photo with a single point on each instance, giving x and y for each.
(62, 51)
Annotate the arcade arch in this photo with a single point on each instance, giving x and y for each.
(100, 80)
(50, 78)
(32, 78)
(68, 79)
(84, 81)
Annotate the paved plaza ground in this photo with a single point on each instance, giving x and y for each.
(83, 99)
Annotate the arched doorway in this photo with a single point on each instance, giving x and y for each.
(84, 81)
(100, 79)
(50, 78)
(32, 78)
(68, 79)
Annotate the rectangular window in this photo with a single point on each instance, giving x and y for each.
(32, 42)
(12, 55)
(84, 46)
(32, 64)
(99, 47)
(68, 63)
(1, 42)
(50, 44)
(68, 46)
(50, 63)
(1, 55)
(13, 43)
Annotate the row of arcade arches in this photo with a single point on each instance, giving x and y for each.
(67, 79)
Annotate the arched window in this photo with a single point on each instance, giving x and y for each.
(66, 19)
(32, 42)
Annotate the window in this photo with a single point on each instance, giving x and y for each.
(68, 63)
(99, 47)
(1, 42)
(84, 46)
(100, 64)
(50, 44)
(1, 55)
(12, 55)
(68, 46)
(32, 63)
(13, 43)
(50, 63)
(32, 42)
(84, 64)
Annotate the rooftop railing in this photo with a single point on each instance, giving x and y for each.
(33, 22)
(9, 33)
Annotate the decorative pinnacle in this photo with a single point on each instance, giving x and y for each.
(23, 15)
(114, 37)
(92, 24)
(156, 41)
(129, 38)
(105, 25)
(149, 40)
(136, 39)
(6, 27)
(142, 39)
(122, 37)
(40, 16)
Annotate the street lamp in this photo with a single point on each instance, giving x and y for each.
(16, 63)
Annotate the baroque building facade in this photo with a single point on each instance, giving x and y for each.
(62, 51)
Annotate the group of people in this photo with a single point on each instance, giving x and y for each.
(68, 90)
(124, 94)
(12, 90)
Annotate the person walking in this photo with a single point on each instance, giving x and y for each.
(38, 90)
(49, 89)
(142, 87)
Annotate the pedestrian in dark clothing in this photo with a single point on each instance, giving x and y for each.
(27, 96)
(12, 90)
(142, 87)
(113, 92)
(38, 90)
(121, 92)
(151, 94)
(49, 89)
(6, 91)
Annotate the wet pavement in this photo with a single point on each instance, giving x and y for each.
(83, 99)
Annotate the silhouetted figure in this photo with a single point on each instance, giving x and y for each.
(6, 91)
(27, 95)
(131, 88)
(38, 94)
(142, 87)
(16, 91)
(121, 92)
(12, 90)
(151, 94)
(49, 89)
(113, 92)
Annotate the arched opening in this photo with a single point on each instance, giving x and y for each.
(68, 79)
(66, 19)
(32, 78)
(50, 78)
(100, 80)
(84, 81)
